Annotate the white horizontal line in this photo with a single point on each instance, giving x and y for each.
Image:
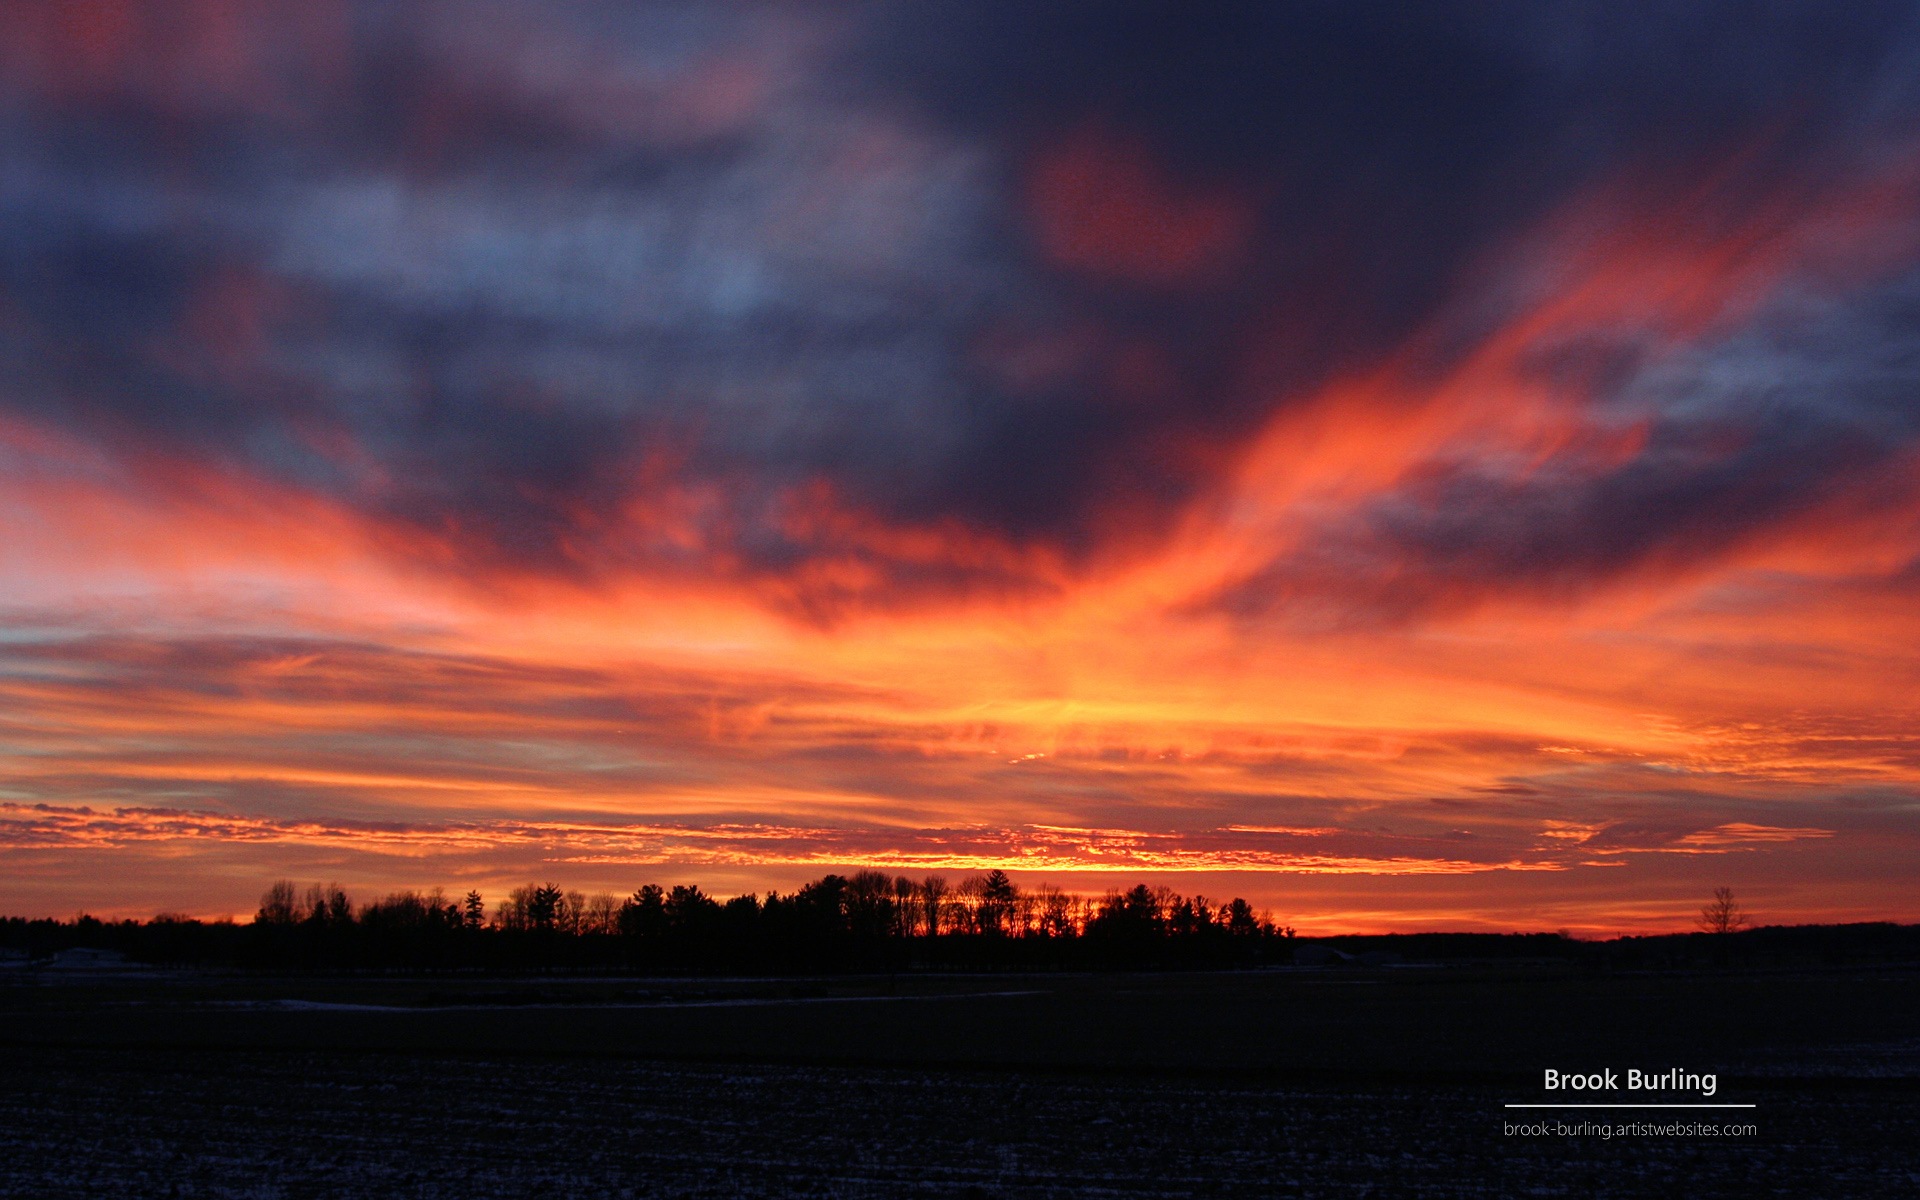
(1632, 1106)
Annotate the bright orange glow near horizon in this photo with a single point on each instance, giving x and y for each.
(454, 528)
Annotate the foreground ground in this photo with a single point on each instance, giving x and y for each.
(1390, 1083)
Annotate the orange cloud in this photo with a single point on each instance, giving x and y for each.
(1743, 833)
(190, 637)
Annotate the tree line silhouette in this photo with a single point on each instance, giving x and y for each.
(867, 920)
(871, 921)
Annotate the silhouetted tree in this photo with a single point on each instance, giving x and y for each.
(1238, 918)
(963, 915)
(571, 913)
(906, 907)
(996, 897)
(689, 911)
(741, 918)
(822, 906)
(644, 914)
(600, 914)
(328, 905)
(933, 898)
(869, 902)
(1129, 918)
(279, 905)
(1722, 914)
(1055, 913)
(544, 907)
(473, 911)
(536, 908)
(1190, 917)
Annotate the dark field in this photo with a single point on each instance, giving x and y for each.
(1264, 1083)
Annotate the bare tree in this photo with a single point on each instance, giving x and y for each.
(279, 906)
(869, 903)
(1722, 914)
(511, 913)
(1056, 912)
(933, 895)
(601, 914)
(532, 907)
(906, 906)
(1026, 913)
(328, 905)
(963, 914)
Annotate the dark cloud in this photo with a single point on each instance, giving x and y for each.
(506, 273)
(1801, 411)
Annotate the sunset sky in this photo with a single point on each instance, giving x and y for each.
(1417, 467)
